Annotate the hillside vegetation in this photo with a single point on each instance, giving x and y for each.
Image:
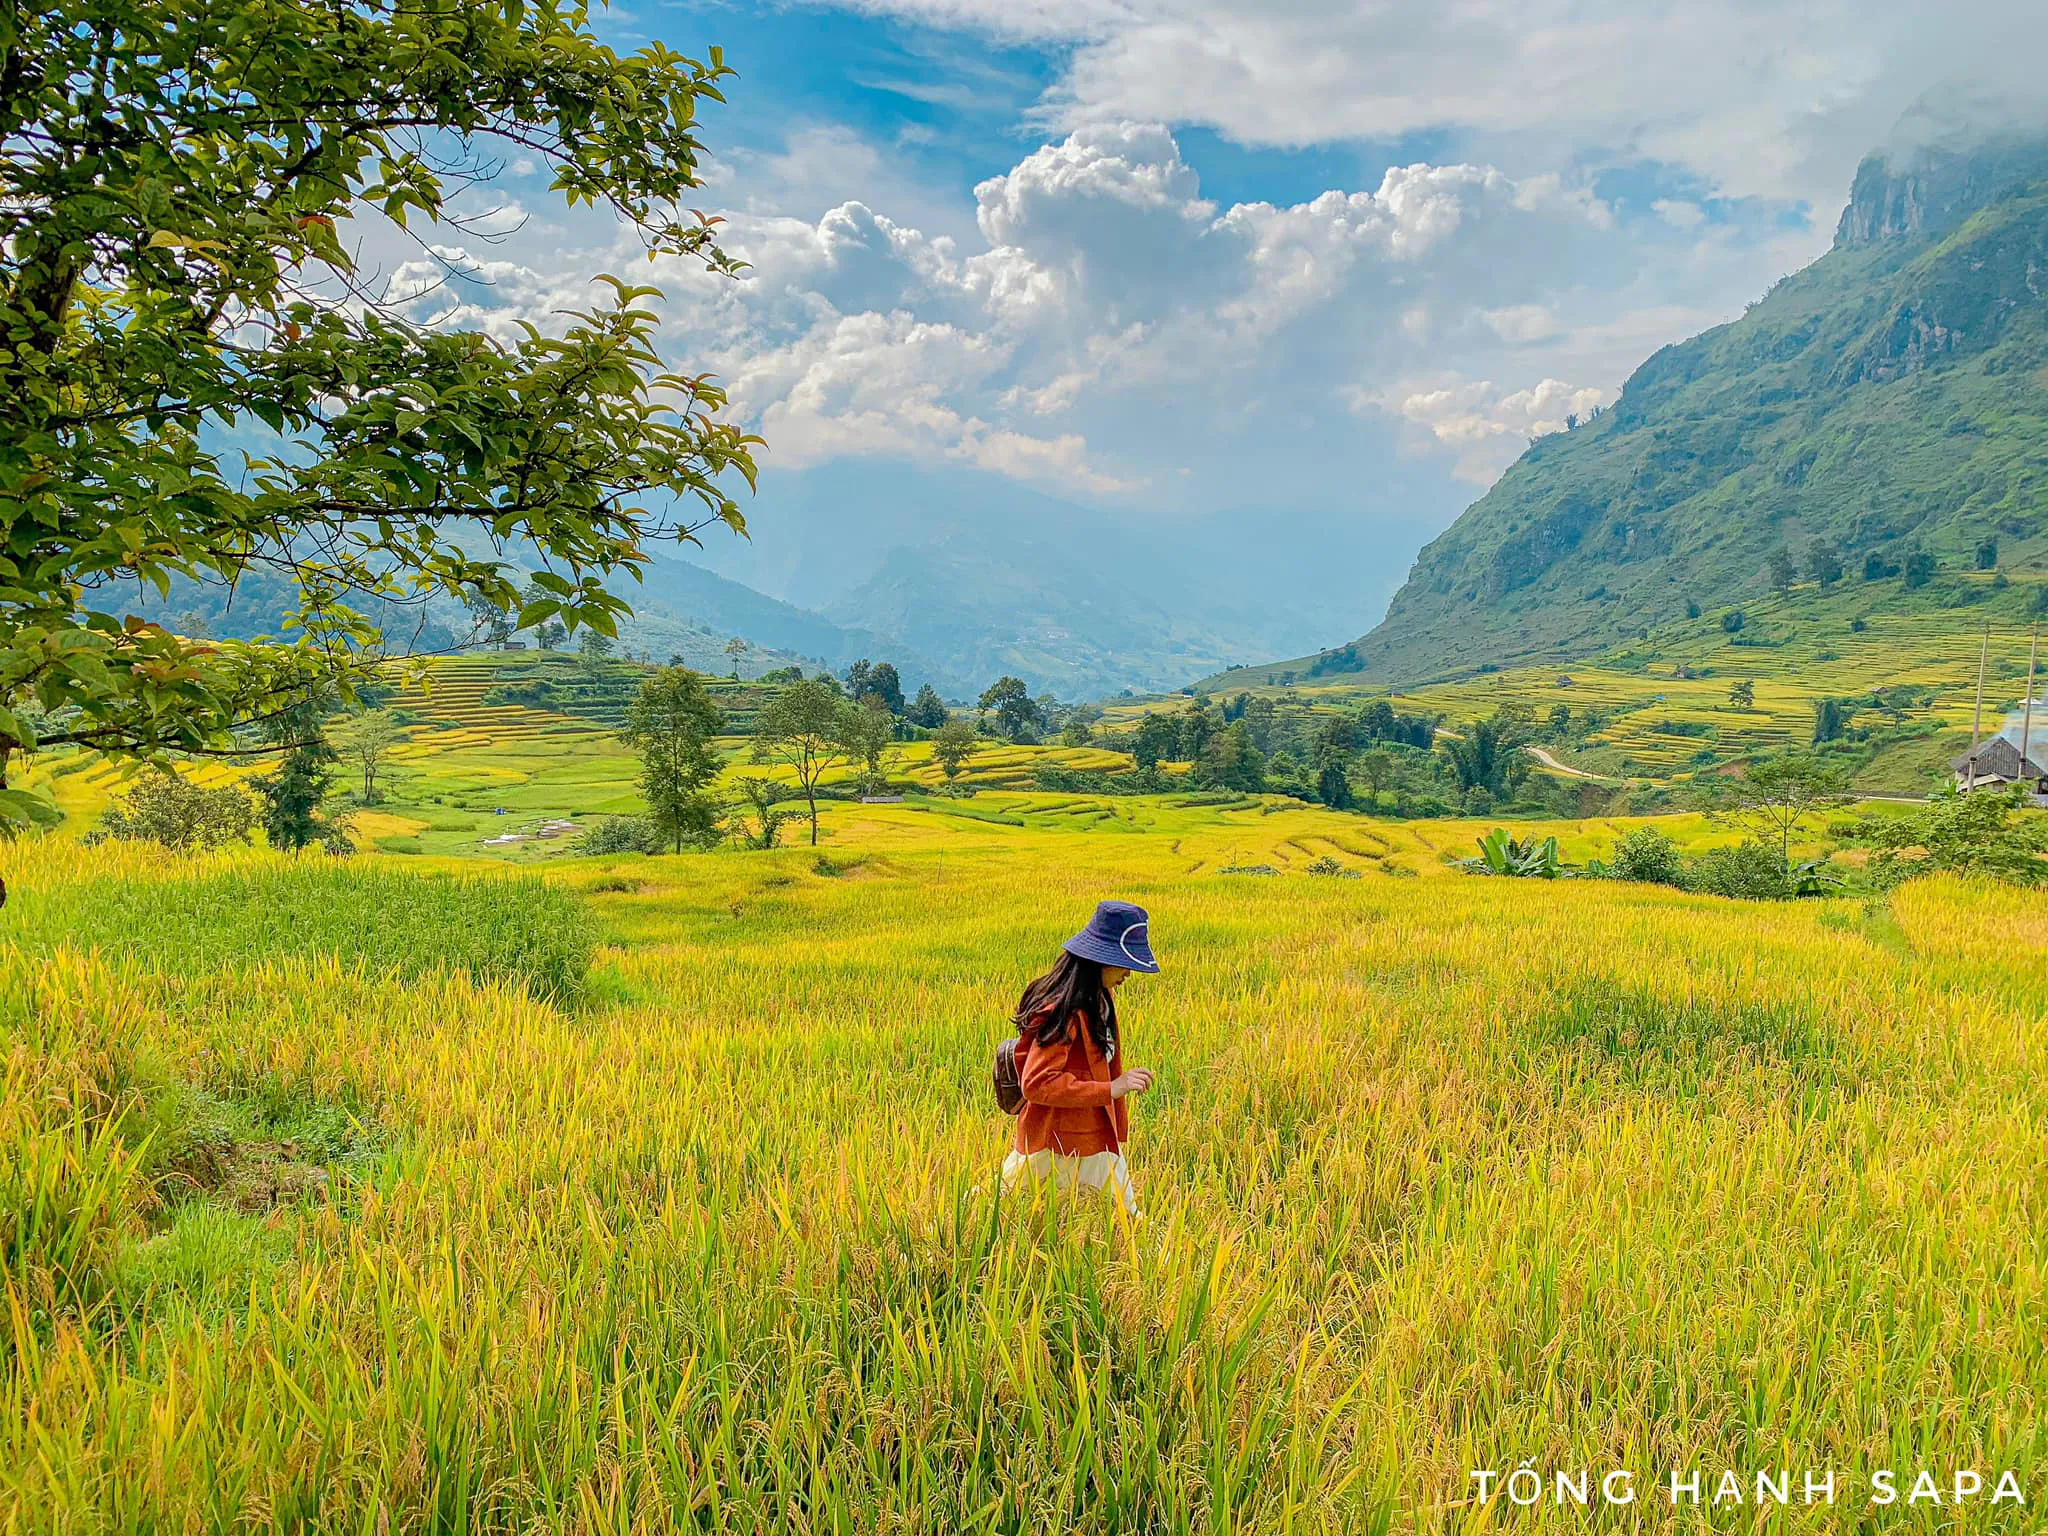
(1659, 708)
(1881, 416)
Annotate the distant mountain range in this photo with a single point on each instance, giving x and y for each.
(677, 595)
(1888, 401)
(972, 576)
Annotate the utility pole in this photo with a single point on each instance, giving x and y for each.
(1977, 725)
(2027, 720)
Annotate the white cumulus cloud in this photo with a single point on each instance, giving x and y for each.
(1099, 326)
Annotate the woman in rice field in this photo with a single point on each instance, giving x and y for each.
(1068, 1060)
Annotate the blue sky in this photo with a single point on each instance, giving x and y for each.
(1315, 271)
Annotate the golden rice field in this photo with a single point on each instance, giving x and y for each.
(1440, 1174)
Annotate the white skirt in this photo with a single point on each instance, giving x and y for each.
(1100, 1172)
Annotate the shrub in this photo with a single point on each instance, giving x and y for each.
(1751, 871)
(164, 807)
(1646, 854)
(1731, 621)
(1982, 833)
(1328, 865)
(619, 834)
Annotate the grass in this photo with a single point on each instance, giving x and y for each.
(384, 919)
(1440, 1174)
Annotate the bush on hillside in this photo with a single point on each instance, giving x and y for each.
(1982, 833)
(165, 807)
(619, 834)
(1054, 779)
(1751, 870)
(1646, 854)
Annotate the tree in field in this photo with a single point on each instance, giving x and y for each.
(1232, 760)
(168, 808)
(366, 740)
(1783, 570)
(1830, 719)
(879, 680)
(1743, 695)
(736, 648)
(1155, 738)
(1193, 727)
(596, 649)
(1780, 793)
(1824, 562)
(1377, 769)
(806, 727)
(295, 794)
(1981, 833)
(178, 184)
(1076, 732)
(1376, 721)
(1336, 740)
(927, 709)
(1489, 755)
(756, 794)
(1015, 711)
(670, 724)
(869, 728)
(952, 746)
(490, 622)
(552, 635)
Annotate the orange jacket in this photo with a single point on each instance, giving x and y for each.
(1067, 1106)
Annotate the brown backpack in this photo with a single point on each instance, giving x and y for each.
(1009, 1091)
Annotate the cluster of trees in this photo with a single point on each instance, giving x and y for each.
(1823, 562)
(879, 685)
(293, 803)
(1252, 744)
(812, 728)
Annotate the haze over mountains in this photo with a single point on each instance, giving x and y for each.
(1888, 400)
(1074, 603)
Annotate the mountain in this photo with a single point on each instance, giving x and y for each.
(978, 572)
(1890, 399)
(676, 593)
(679, 609)
(1075, 627)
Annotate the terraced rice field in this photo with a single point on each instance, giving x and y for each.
(346, 1197)
(1794, 649)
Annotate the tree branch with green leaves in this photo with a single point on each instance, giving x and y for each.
(177, 184)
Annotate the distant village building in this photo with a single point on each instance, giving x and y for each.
(1996, 763)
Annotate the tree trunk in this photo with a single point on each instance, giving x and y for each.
(812, 796)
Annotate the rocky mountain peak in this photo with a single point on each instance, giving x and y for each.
(1943, 164)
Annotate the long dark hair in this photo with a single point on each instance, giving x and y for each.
(1072, 986)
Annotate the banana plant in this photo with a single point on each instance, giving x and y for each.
(1523, 858)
